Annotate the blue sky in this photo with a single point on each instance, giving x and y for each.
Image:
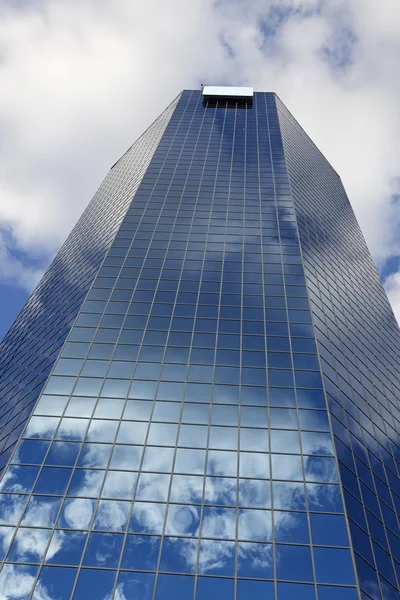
(74, 77)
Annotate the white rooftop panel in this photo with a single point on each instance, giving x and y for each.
(222, 91)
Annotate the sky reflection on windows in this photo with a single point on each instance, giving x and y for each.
(177, 449)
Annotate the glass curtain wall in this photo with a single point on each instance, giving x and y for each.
(182, 446)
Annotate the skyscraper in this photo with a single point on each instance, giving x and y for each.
(200, 399)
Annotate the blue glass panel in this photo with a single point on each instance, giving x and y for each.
(329, 530)
(288, 591)
(53, 480)
(72, 429)
(66, 547)
(219, 522)
(102, 431)
(29, 545)
(42, 511)
(186, 488)
(179, 587)
(135, 585)
(288, 495)
(254, 439)
(314, 420)
(132, 433)
(222, 463)
(103, 550)
(112, 515)
(324, 497)
(317, 443)
(254, 465)
(285, 441)
(19, 479)
(193, 436)
(259, 590)
(147, 517)
(254, 493)
(11, 508)
(332, 593)
(55, 582)
(293, 563)
(154, 460)
(179, 555)
(86, 482)
(94, 455)
(291, 527)
(283, 418)
(217, 557)
(320, 469)
(287, 467)
(183, 520)
(80, 406)
(310, 399)
(153, 487)
(255, 560)
(76, 513)
(333, 565)
(281, 397)
(126, 457)
(94, 583)
(141, 552)
(30, 452)
(214, 589)
(255, 525)
(11, 578)
(63, 453)
(6, 534)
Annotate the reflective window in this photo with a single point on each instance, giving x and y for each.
(133, 585)
(141, 552)
(94, 582)
(293, 562)
(178, 586)
(255, 560)
(103, 550)
(41, 511)
(217, 557)
(63, 454)
(29, 545)
(332, 565)
(147, 517)
(178, 555)
(11, 576)
(214, 589)
(66, 547)
(76, 513)
(57, 581)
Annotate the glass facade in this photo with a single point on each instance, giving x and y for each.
(221, 421)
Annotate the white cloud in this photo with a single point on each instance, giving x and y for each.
(392, 286)
(16, 581)
(75, 76)
(13, 269)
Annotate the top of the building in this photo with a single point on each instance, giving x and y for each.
(229, 92)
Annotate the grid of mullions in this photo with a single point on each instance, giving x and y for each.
(358, 341)
(184, 426)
